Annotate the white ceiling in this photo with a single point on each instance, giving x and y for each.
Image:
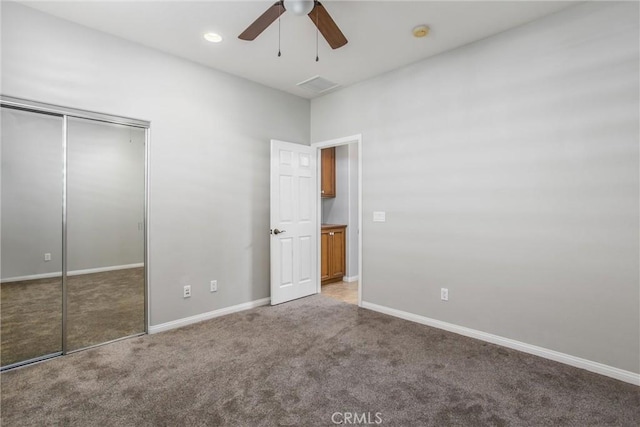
(379, 33)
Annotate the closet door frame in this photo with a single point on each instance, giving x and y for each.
(66, 113)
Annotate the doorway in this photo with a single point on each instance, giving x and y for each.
(340, 213)
(74, 239)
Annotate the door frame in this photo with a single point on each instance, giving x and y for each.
(352, 139)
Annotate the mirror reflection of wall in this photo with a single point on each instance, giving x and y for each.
(31, 194)
(105, 192)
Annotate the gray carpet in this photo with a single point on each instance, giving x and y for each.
(297, 364)
(102, 307)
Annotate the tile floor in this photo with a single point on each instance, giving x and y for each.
(343, 291)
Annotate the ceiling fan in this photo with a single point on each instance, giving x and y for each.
(312, 8)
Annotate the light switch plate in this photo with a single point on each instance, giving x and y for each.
(379, 217)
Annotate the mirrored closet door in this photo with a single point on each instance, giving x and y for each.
(31, 235)
(105, 232)
(73, 230)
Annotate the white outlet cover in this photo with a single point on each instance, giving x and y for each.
(444, 294)
(187, 291)
(214, 286)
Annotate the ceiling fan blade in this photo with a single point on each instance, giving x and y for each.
(327, 26)
(261, 24)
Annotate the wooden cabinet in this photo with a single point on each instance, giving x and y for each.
(332, 244)
(328, 159)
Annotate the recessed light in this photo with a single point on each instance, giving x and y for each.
(420, 31)
(213, 37)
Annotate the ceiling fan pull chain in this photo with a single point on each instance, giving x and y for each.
(317, 30)
(279, 14)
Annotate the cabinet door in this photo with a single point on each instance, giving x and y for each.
(337, 253)
(324, 255)
(328, 186)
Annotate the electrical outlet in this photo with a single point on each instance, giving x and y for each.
(187, 291)
(47, 257)
(444, 294)
(214, 286)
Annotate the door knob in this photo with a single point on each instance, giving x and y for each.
(276, 231)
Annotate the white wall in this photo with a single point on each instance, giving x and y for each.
(508, 170)
(209, 160)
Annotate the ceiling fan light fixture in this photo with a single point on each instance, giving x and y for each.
(325, 25)
(213, 37)
(299, 7)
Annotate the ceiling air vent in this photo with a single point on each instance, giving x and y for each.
(317, 84)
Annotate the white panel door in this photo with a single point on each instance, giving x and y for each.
(294, 222)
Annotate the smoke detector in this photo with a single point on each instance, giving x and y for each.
(420, 31)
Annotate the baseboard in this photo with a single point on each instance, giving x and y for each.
(596, 367)
(350, 279)
(154, 329)
(103, 269)
(32, 277)
(72, 273)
